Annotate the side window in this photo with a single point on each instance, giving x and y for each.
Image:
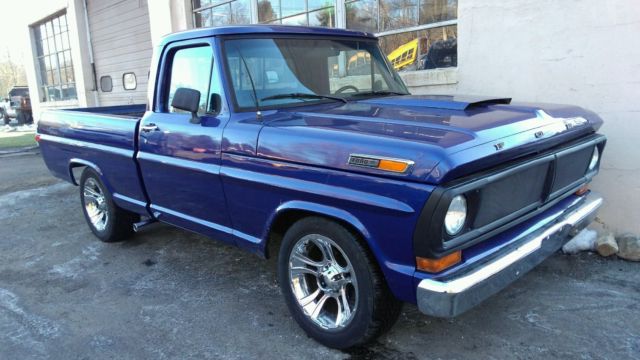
(191, 68)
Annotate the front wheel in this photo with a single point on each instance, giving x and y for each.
(333, 286)
(106, 220)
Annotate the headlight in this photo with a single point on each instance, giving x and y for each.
(594, 159)
(456, 215)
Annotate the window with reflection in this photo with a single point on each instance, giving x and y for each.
(217, 13)
(297, 12)
(191, 68)
(299, 71)
(53, 54)
(414, 34)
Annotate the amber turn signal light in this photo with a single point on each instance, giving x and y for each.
(437, 265)
(392, 165)
(583, 190)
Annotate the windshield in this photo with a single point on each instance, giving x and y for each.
(292, 71)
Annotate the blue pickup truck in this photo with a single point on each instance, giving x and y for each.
(271, 137)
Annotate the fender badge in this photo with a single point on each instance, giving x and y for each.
(539, 134)
(499, 146)
(380, 163)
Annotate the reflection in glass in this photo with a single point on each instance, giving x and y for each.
(422, 50)
(396, 14)
(292, 7)
(325, 17)
(295, 20)
(268, 10)
(54, 59)
(227, 13)
(362, 15)
(241, 12)
(432, 11)
(281, 66)
(191, 68)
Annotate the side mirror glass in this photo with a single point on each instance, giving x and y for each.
(187, 100)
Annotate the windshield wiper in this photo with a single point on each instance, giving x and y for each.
(303, 96)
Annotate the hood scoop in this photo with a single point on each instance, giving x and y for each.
(447, 102)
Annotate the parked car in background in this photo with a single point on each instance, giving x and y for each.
(18, 106)
(258, 136)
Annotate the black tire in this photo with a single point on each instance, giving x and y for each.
(118, 224)
(21, 118)
(376, 310)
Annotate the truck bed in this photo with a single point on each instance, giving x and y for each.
(104, 137)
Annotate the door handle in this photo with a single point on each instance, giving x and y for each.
(150, 127)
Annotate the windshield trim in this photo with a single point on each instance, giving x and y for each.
(227, 72)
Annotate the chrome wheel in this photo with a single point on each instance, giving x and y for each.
(323, 281)
(95, 204)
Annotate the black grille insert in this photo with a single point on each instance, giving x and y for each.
(510, 194)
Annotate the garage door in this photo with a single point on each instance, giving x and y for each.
(121, 40)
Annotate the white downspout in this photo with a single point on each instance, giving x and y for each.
(96, 99)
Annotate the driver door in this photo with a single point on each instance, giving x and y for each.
(179, 159)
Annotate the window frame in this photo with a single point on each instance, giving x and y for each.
(102, 88)
(55, 47)
(134, 77)
(161, 104)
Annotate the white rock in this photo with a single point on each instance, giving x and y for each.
(629, 247)
(606, 245)
(584, 241)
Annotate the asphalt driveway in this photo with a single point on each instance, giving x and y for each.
(172, 294)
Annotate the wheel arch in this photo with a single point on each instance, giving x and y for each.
(76, 163)
(290, 212)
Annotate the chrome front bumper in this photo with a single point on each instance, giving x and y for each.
(458, 293)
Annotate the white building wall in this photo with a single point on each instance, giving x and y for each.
(121, 42)
(582, 52)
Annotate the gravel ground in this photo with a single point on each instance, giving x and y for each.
(172, 294)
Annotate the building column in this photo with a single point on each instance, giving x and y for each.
(167, 16)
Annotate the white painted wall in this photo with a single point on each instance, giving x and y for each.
(583, 52)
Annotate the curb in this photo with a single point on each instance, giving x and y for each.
(18, 150)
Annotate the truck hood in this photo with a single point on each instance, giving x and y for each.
(445, 137)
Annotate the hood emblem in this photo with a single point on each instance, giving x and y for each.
(569, 123)
(380, 163)
(539, 134)
(499, 146)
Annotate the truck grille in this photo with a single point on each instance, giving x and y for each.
(529, 187)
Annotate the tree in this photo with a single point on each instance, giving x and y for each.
(11, 74)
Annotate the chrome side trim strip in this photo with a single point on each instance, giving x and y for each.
(465, 282)
(87, 145)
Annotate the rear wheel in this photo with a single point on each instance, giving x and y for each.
(332, 285)
(106, 220)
